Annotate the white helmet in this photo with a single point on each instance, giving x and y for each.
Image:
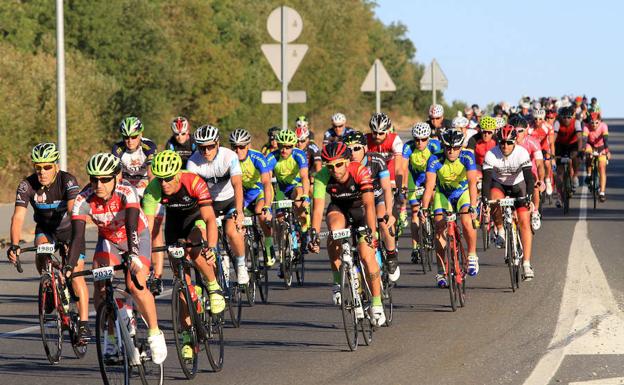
(421, 130)
(460, 122)
(180, 125)
(500, 121)
(339, 118)
(436, 111)
(240, 137)
(380, 122)
(205, 134)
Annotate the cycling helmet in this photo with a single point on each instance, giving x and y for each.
(500, 121)
(103, 164)
(460, 122)
(498, 109)
(287, 137)
(593, 116)
(452, 138)
(355, 137)
(205, 134)
(272, 132)
(488, 123)
(436, 111)
(566, 112)
(334, 151)
(240, 137)
(166, 164)
(421, 130)
(131, 126)
(302, 121)
(180, 125)
(339, 118)
(519, 121)
(44, 153)
(380, 122)
(539, 113)
(507, 133)
(551, 114)
(302, 132)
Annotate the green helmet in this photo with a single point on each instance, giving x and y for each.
(131, 126)
(487, 123)
(44, 153)
(103, 164)
(166, 164)
(287, 137)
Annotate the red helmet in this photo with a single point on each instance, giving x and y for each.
(507, 133)
(595, 116)
(302, 133)
(551, 114)
(180, 125)
(334, 151)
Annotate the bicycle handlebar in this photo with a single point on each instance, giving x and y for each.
(122, 266)
(158, 249)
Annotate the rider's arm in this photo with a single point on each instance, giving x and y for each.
(132, 229)
(433, 165)
(387, 191)
(208, 215)
(17, 221)
(469, 162)
(305, 181)
(486, 186)
(151, 198)
(265, 178)
(319, 191)
(237, 183)
(77, 241)
(528, 178)
(368, 199)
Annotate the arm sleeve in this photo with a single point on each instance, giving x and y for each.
(77, 241)
(407, 150)
(320, 184)
(300, 158)
(132, 233)
(397, 145)
(235, 168)
(151, 198)
(605, 138)
(487, 183)
(528, 178)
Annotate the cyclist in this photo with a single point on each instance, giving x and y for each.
(568, 142)
(304, 143)
(454, 174)
(461, 124)
(181, 140)
(257, 189)
(220, 168)
(135, 153)
(114, 206)
(534, 149)
(594, 106)
(388, 144)
(596, 136)
(190, 217)
(416, 153)
(507, 172)
(271, 145)
(356, 142)
(338, 130)
(436, 120)
(486, 141)
(543, 132)
(350, 187)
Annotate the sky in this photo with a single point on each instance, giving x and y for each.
(492, 51)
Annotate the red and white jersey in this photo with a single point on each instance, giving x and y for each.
(534, 149)
(109, 216)
(391, 146)
(541, 132)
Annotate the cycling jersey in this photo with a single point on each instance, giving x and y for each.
(287, 171)
(596, 137)
(314, 154)
(109, 216)
(49, 203)
(482, 148)
(217, 173)
(331, 135)
(535, 151)
(134, 164)
(185, 150)
(417, 160)
(252, 167)
(541, 131)
(507, 170)
(377, 167)
(348, 193)
(567, 134)
(451, 176)
(388, 149)
(266, 149)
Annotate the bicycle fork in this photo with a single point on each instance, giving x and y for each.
(347, 260)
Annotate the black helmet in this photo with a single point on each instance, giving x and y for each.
(355, 137)
(452, 138)
(272, 132)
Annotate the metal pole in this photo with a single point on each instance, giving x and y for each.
(284, 80)
(61, 123)
(433, 85)
(377, 91)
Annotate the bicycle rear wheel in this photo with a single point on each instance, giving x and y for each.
(213, 339)
(595, 183)
(510, 257)
(235, 304)
(262, 279)
(250, 290)
(179, 300)
(80, 350)
(50, 321)
(347, 306)
(300, 268)
(366, 325)
(150, 373)
(567, 190)
(450, 274)
(387, 298)
(114, 366)
(460, 276)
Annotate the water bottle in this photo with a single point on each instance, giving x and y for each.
(356, 279)
(196, 297)
(295, 240)
(65, 299)
(225, 263)
(126, 313)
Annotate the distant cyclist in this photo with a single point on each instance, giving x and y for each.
(436, 121)
(181, 140)
(338, 130)
(271, 145)
(596, 135)
(304, 143)
(568, 142)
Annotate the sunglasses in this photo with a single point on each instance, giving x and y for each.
(130, 137)
(182, 134)
(239, 147)
(596, 122)
(438, 118)
(419, 140)
(487, 132)
(47, 167)
(287, 147)
(337, 165)
(342, 125)
(378, 133)
(103, 180)
(167, 179)
(207, 148)
(357, 148)
(455, 148)
(302, 141)
(520, 130)
(508, 142)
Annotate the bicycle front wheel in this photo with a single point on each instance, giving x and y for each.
(510, 257)
(50, 319)
(150, 372)
(387, 298)
(111, 349)
(235, 304)
(450, 274)
(347, 306)
(262, 279)
(179, 302)
(250, 290)
(213, 339)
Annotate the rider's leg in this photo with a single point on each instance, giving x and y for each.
(158, 259)
(236, 241)
(335, 221)
(266, 227)
(602, 168)
(372, 270)
(526, 234)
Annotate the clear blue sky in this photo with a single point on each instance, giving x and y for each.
(500, 50)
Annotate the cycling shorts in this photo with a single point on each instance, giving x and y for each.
(515, 191)
(349, 210)
(569, 150)
(224, 208)
(176, 228)
(251, 197)
(108, 253)
(589, 150)
(455, 201)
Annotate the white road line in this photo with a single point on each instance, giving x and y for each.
(589, 320)
(36, 328)
(603, 381)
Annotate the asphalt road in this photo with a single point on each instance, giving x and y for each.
(563, 327)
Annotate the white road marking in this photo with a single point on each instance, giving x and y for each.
(37, 328)
(589, 320)
(602, 381)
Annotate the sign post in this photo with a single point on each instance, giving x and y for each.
(61, 121)
(377, 80)
(433, 79)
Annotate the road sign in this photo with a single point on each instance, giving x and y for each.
(294, 55)
(275, 97)
(383, 79)
(294, 24)
(433, 74)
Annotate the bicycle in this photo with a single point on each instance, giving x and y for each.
(425, 238)
(287, 238)
(57, 312)
(232, 291)
(594, 181)
(386, 284)
(566, 183)
(355, 293)
(205, 330)
(116, 324)
(513, 246)
(258, 269)
(486, 226)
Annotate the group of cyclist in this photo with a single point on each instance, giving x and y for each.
(448, 166)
